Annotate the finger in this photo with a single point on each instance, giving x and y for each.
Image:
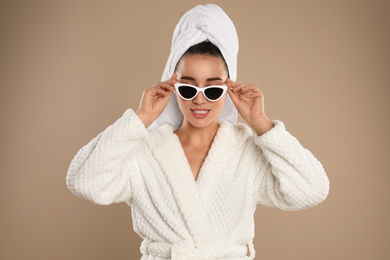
(173, 79)
(239, 89)
(161, 92)
(233, 97)
(246, 88)
(230, 83)
(251, 94)
(166, 86)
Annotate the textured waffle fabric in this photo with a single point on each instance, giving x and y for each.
(181, 218)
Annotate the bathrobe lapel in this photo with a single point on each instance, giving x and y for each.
(192, 196)
(217, 161)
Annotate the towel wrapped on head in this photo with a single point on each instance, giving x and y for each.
(201, 23)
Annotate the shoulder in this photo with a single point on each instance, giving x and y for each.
(160, 135)
(239, 133)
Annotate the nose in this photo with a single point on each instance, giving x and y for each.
(200, 99)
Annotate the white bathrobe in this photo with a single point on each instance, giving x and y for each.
(181, 218)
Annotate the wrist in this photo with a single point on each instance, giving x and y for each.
(146, 120)
(261, 125)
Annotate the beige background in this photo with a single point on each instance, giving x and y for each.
(68, 69)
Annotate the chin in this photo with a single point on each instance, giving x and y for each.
(202, 123)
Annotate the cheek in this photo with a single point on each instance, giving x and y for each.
(181, 103)
(218, 106)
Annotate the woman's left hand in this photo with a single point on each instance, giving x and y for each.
(249, 102)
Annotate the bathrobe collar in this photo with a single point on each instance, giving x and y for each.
(192, 196)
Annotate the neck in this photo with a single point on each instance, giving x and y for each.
(189, 134)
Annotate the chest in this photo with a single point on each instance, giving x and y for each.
(196, 157)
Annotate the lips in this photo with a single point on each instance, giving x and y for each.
(200, 113)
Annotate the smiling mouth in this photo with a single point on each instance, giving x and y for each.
(200, 113)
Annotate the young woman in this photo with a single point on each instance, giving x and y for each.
(190, 173)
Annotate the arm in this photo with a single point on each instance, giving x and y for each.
(289, 176)
(100, 170)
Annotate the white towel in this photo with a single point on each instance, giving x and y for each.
(201, 23)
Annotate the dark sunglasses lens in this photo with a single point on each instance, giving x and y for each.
(187, 92)
(213, 93)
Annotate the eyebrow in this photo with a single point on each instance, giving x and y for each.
(213, 79)
(193, 79)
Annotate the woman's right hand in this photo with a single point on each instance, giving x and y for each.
(155, 99)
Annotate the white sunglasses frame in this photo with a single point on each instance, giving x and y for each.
(223, 87)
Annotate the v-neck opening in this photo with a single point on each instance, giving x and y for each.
(196, 181)
(201, 169)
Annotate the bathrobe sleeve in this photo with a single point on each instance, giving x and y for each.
(100, 170)
(289, 176)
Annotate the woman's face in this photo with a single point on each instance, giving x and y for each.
(201, 71)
